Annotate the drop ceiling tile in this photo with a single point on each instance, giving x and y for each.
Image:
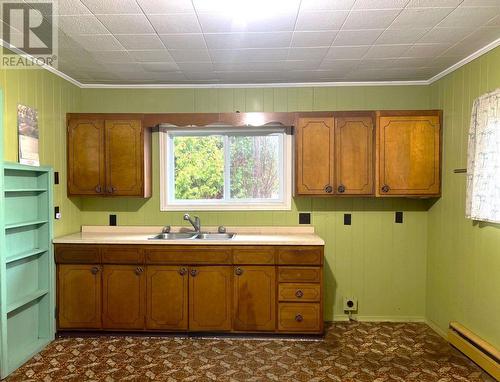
(127, 24)
(82, 24)
(320, 20)
(193, 55)
(225, 23)
(411, 62)
(71, 8)
(140, 41)
(421, 17)
(98, 42)
(246, 66)
(248, 55)
(346, 52)
(120, 67)
(159, 55)
(495, 22)
(160, 66)
(445, 35)
(370, 19)
(380, 4)
(183, 41)
(401, 36)
(257, 8)
(307, 53)
(203, 76)
(302, 64)
(433, 3)
(313, 76)
(470, 17)
(308, 39)
(112, 56)
(112, 7)
(386, 51)
(339, 65)
(473, 42)
(357, 37)
(326, 5)
(196, 66)
(248, 40)
(377, 63)
(479, 3)
(161, 7)
(175, 23)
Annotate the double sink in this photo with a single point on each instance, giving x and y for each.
(193, 236)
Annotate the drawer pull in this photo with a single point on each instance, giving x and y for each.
(94, 270)
(299, 318)
(328, 189)
(98, 189)
(299, 294)
(385, 188)
(341, 188)
(194, 272)
(182, 271)
(139, 270)
(238, 271)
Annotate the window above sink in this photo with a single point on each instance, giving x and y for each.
(225, 168)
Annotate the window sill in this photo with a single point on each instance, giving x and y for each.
(226, 207)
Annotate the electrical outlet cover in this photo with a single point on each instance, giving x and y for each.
(350, 304)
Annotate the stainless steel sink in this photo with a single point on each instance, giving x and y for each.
(214, 236)
(175, 236)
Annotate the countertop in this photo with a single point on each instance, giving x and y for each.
(141, 235)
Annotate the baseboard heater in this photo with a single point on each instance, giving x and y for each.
(477, 349)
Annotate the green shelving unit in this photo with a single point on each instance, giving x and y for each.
(26, 264)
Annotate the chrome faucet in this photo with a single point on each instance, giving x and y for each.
(196, 223)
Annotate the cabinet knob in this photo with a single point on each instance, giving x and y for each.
(341, 188)
(194, 272)
(328, 189)
(299, 318)
(238, 271)
(98, 189)
(299, 294)
(94, 270)
(385, 188)
(182, 271)
(111, 189)
(139, 270)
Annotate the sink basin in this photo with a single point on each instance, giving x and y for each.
(174, 236)
(214, 236)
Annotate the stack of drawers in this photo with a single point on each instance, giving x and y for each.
(300, 289)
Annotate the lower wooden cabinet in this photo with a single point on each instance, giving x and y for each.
(210, 298)
(299, 317)
(79, 296)
(254, 298)
(123, 289)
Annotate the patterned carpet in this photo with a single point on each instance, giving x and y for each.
(350, 352)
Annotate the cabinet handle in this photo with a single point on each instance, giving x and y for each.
(299, 318)
(341, 188)
(98, 189)
(194, 272)
(139, 270)
(385, 188)
(111, 189)
(182, 271)
(94, 270)
(299, 294)
(238, 271)
(328, 189)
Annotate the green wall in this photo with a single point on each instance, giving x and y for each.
(381, 263)
(463, 266)
(53, 97)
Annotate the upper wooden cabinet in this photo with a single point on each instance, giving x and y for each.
(108, 157)
(409, 154)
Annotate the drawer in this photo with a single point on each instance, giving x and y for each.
(297, 317)
(77, 254)
(189, 255)
(300, 255)
(296, 274)
(254, 255)
(122, 255)
(299, 292)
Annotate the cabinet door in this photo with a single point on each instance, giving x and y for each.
(254, 298)
(167, 297)
(79, 296)
(86, 169)
(314, 150)
(123, 297)
(409, 155)
(210, 298)
(124, 158)
(354, 164)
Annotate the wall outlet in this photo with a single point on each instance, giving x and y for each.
(350, 304)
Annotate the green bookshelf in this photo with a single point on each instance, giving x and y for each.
(26, 264)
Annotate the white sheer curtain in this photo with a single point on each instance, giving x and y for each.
(483, 160)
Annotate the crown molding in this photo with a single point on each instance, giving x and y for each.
(430, 81)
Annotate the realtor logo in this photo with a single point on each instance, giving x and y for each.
(29, 28)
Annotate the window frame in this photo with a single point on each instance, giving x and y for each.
(167, 171)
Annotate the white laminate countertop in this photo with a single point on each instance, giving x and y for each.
(141, 235)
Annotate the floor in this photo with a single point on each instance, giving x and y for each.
(350, 352)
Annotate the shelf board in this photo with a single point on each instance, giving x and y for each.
(25, 254)
(25, 224)
(26, 299)
(25, 190)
